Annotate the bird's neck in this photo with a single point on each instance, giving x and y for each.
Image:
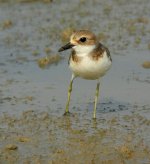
(83, 50)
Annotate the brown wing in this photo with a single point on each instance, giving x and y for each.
(98, 52)
(101, 46)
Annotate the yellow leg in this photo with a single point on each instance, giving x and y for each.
(69, 94)
(96, 98)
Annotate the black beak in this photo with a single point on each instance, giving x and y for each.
(65, 47)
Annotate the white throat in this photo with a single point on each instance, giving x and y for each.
(83, 50)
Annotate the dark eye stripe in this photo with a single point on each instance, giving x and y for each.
(83, 39)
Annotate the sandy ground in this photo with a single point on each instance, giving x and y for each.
(34, 79)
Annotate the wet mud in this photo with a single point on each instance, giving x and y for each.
(34, 79)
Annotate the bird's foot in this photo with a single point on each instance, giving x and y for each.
(94, 118)
(67, 113)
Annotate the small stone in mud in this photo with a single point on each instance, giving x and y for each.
(60, 151)
(47, 1)
(126, 151)
(47, 50)
(11, 147)
(102, 36)
(30, 98)
(137, 40)
(149, 46)
(23, 139)
(44, 116)
(107, 10)
(35, 53)
(7, 24)
(146, 64)
(46, 61)
(65, 35)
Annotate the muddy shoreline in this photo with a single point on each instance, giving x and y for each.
(34, 76)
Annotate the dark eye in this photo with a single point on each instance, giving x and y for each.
(83, 39)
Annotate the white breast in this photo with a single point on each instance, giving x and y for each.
(91, 69)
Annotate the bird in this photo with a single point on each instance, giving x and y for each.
(89, 59)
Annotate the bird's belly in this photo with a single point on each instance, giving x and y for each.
(90, 69)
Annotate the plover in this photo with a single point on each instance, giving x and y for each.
(89, 59)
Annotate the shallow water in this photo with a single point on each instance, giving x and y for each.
(32, 100)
